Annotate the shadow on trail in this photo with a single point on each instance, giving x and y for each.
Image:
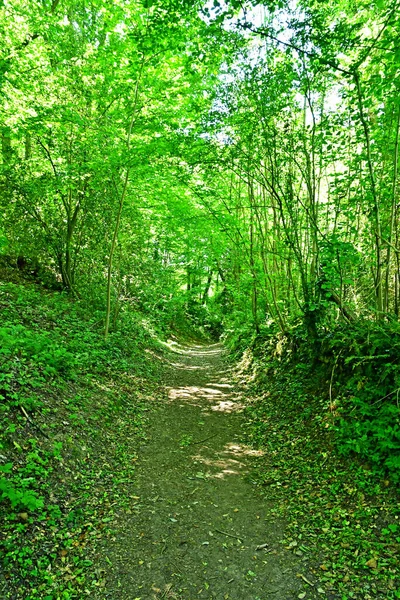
(196, 527)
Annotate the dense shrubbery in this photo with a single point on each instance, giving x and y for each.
(365, 380)
(47, 339)
(57, 397)
(336, 508)
(354, 371)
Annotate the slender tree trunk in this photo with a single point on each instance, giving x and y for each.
(254, 295)
(393, 211)
(375, 201)
(28, 146)
(6, 148)
(207, 288)
(119, 212)
(112, 250)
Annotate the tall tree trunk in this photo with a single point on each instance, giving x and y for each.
(254, 295)
(207, 288)
(28, 146)
(120, 206)
(112, 250)
(6, 148)
(393, 211)
(375, 201)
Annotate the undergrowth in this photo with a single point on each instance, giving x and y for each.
(364, 389)
(73, 412)
(338, 496)
(357, 367)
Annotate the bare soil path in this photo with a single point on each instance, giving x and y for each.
(196, 527)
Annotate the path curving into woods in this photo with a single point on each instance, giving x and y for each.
(196, 526)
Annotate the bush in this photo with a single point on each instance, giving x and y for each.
(364, 362)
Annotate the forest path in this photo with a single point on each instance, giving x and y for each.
(196, 521)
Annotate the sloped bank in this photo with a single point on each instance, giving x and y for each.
(343, 507)
(73, 413)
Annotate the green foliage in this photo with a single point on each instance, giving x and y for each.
(358, 366)
(232, 180)
(16, 490)
(367, 383)
(3, 242)
(374, 435)
(56, 399)
(335, 508)
(38, 348)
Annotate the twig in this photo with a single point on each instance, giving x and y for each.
(305, 579)
(205, 440)
(262, 547)
(32, 422)
(235, 537)
(387, 396)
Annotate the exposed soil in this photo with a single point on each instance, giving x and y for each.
(196, 526)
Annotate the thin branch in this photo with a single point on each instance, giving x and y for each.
(54, 5)
(47, 151)
(365, 55)
(265, 33)
(235, 537)
(28, 418)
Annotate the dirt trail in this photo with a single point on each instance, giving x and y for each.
(194, 528)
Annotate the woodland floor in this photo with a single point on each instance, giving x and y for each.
(196, 526)
(142, 487)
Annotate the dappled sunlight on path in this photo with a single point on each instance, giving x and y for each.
(196, 522)
(216, 399)
(218, 395)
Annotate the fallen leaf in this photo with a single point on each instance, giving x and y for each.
(372, 564)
